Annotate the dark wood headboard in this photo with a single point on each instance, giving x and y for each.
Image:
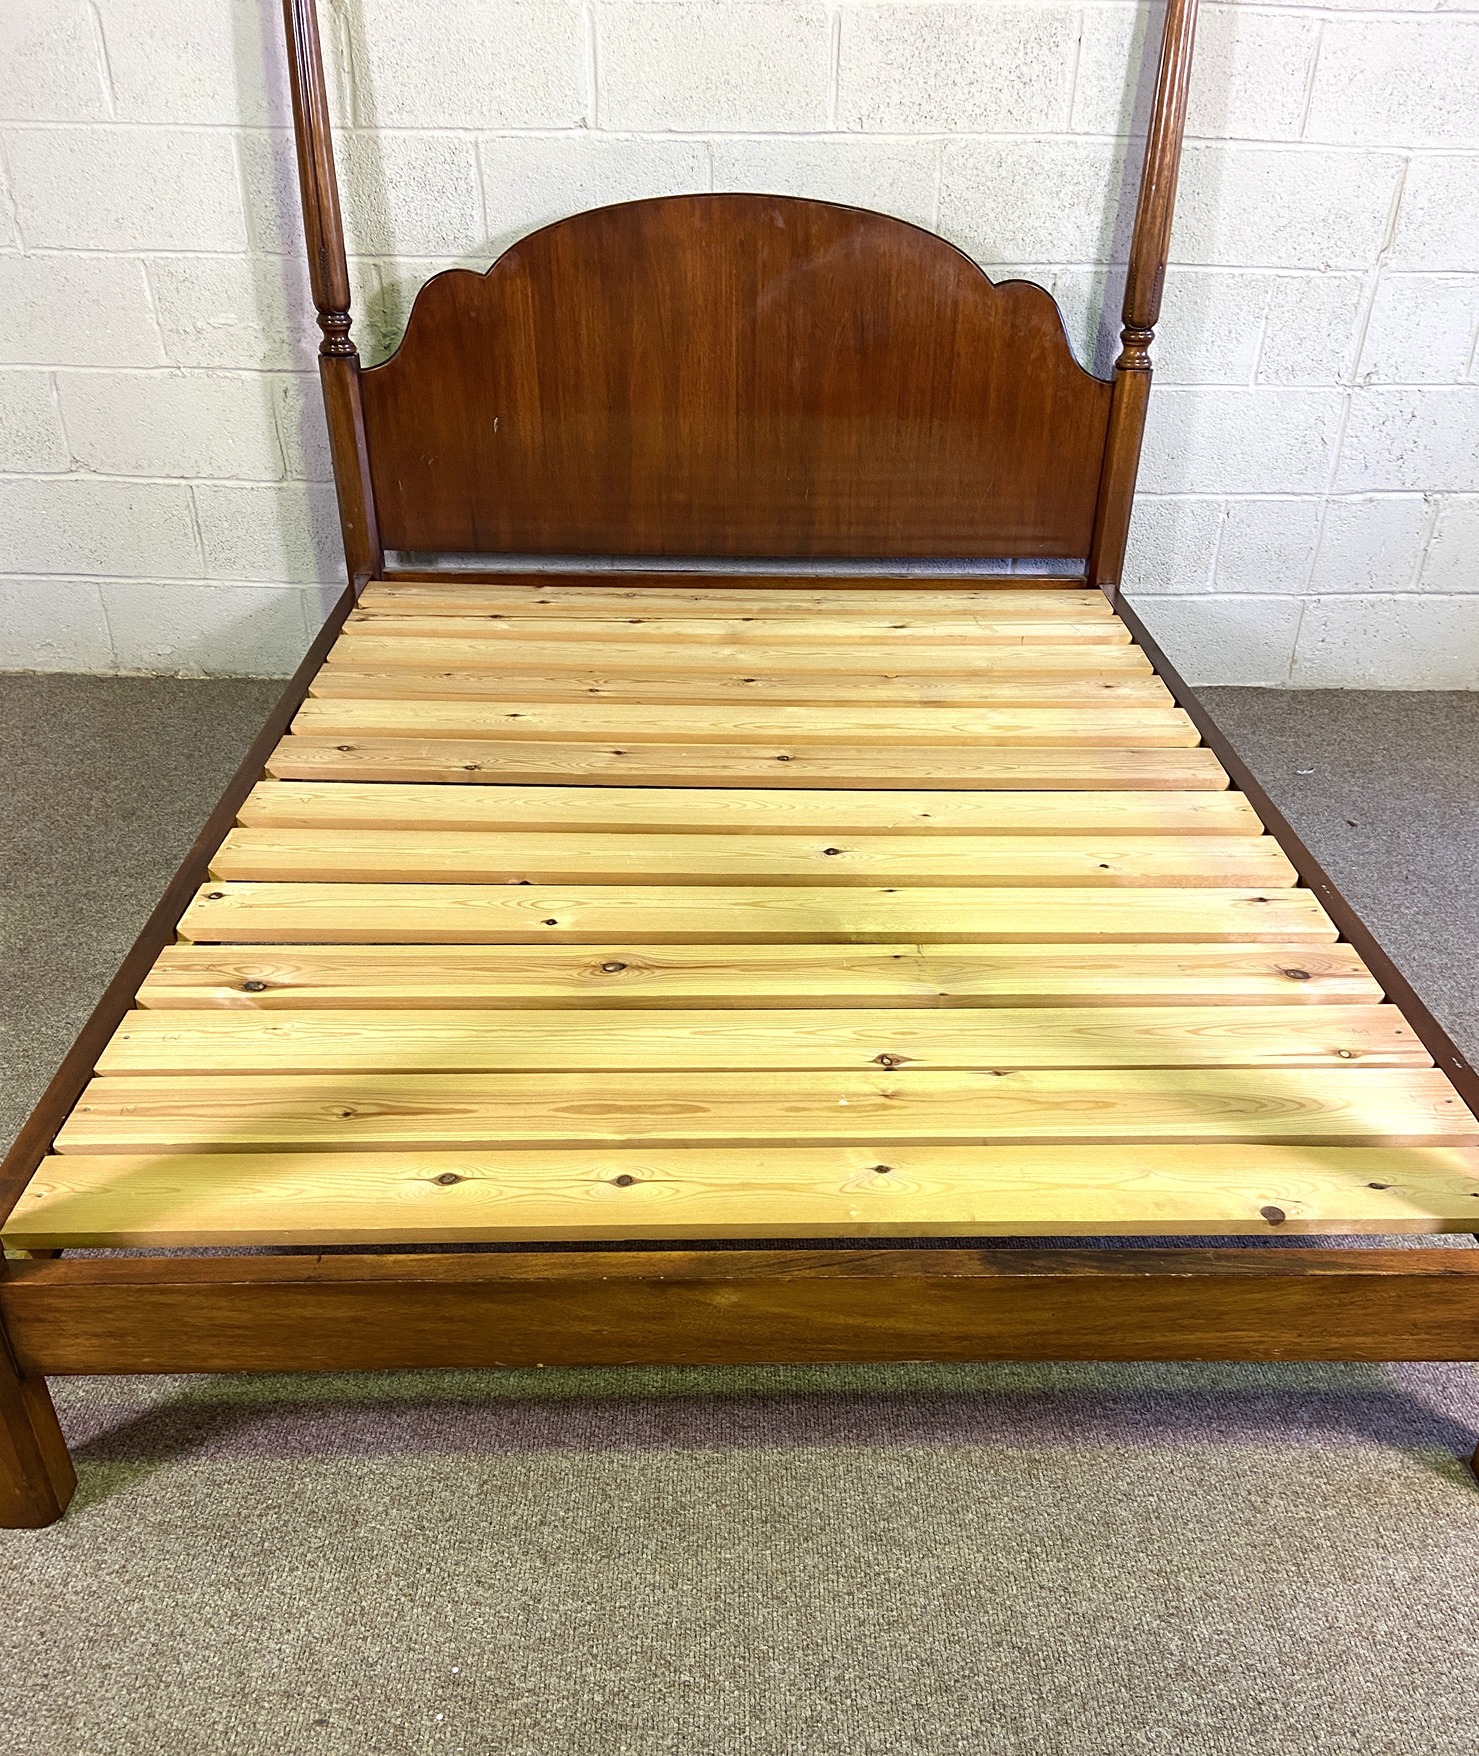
(735, 375)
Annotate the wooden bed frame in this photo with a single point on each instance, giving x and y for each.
(709, 378)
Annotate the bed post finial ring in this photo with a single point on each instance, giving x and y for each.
(335, 327)
(1135, 341)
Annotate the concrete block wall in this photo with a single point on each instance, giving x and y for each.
(1311, 480)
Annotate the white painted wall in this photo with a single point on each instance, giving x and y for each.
(1311, 504)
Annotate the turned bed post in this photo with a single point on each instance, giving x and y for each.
(1144, 283)
(328, 272)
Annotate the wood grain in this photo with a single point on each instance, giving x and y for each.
(1345, 1105)
(514, 719)
(518, 857)
(250, 1200)
(732, 1041)
(741, 688)
(753, 634)
(371, 649)
(279, 977)
(734, 375)
(487, 762)
(735, 811)
(680, 1307)
(684, 594)
(36, 1475)
(492, 914)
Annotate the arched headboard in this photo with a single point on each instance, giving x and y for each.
(735, 375)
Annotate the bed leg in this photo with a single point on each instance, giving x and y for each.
(36, 1475)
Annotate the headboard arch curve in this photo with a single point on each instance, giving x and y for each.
(736, 375)
(753, 375)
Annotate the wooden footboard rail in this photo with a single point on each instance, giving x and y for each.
(681, 1307)
(704, 1307)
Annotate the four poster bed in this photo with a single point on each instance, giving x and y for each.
(680, 932)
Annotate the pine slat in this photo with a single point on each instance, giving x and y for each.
(366, 647)
(742, 688)
(690, 595)
(733, 810)
(491, 914)
(275, 1198)
(462, 856)
(880, 633)
(628, 722)
(1348, 1105)
(728, 1040)
(486, 762)
(278, 977)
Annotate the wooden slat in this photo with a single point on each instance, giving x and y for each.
(888, 634)
(732, 810)
(965, 901)
(602, 722)
(743, 688)
(492, 914)
(985, 768)
(690, 596)
(461, 856)
(368, 649)
(278, 977)
(273, 1198)
(730, 1041)
(1355, 1106)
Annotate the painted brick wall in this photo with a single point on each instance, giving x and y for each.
(1311, 509)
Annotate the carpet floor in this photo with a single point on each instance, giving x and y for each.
(870, 1561)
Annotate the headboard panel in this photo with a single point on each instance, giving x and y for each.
(734, 375)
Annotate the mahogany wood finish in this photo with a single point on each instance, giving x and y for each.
(1149, 247)
(687, 1307)
(36, 1475)
(734, 375)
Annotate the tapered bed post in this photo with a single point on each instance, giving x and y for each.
(328, 272)
(36, 1475)
(1149, 246)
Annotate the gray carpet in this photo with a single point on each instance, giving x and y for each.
(920, 1560)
